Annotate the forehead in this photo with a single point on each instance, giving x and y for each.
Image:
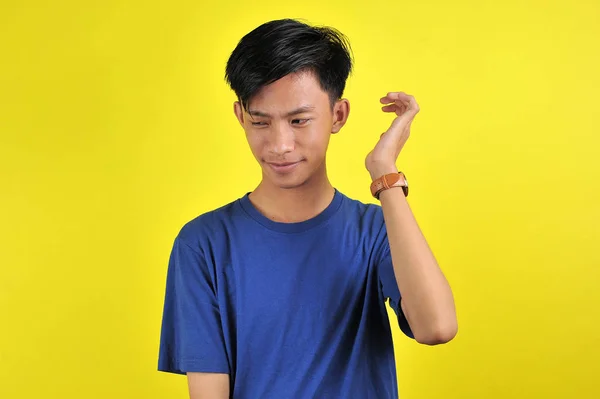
(290, 92)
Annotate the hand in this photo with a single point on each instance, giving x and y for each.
(382, 159)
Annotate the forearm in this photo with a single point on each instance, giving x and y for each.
(427, 299)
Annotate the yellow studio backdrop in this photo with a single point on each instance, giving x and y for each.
(117, 128)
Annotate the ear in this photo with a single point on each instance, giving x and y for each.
(238, 110)
(341, 111)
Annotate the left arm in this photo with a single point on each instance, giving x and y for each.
(427, 300)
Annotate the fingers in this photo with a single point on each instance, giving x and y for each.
(395, 108)
(400, 98)
(394, 96)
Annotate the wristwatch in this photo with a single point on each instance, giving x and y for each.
(388, 181)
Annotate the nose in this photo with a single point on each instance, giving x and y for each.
(281, 140)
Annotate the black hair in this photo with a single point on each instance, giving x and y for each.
(278, 48)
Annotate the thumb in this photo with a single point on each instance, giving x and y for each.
(400, 123)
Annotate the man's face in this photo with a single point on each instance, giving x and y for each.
(288, 125)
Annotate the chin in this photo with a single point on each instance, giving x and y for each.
(285, 181)
(288, 183)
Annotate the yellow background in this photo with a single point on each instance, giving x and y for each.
(117, 127)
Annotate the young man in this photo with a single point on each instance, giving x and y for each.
(281, 293)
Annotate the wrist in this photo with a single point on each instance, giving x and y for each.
(387, 180)
(377, 172)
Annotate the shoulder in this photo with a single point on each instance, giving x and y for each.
(209, 224)
(366, 220)
(366, 215)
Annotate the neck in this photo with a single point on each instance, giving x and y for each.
(293, 205)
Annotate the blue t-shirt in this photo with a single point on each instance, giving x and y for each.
(288, 310)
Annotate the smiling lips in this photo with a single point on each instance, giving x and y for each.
(283, 166)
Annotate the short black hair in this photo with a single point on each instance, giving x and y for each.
(280, 47)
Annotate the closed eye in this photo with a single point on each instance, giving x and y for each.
(259, 124)
(300, 121)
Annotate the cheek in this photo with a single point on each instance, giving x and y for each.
(320, 138)
(255, 143)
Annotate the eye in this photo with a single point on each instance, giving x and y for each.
(300, 121)
(259, 124)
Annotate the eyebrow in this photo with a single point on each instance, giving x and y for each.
(301, 110)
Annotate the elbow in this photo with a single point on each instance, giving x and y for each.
(441, 334)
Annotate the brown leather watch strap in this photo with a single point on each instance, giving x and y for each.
(388, 181)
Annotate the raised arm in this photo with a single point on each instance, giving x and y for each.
(427, 300)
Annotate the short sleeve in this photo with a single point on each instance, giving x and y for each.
(389, 285)
(192, 338)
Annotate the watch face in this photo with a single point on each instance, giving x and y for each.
(405, 188)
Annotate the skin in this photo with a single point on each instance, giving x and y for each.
(427, 299)
(276, 137)
(291, 120)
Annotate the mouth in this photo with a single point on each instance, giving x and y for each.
(283, 167)
(282, 164)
